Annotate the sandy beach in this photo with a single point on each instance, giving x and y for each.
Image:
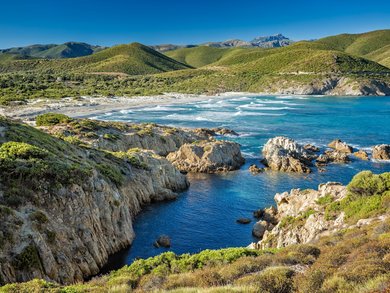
(87, 106)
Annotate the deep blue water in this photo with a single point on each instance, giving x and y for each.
(205, 215)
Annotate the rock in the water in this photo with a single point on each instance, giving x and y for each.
(224, 131)
(331, 156)
(254, 169)
(340, 146)
(163, 241)
(381, 152)
(337, 156)
(259, 228)
(243, 220)
(284, 154)
(208, 157)
(312, 148)
(361, 155)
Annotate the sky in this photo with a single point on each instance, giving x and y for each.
(152, 22)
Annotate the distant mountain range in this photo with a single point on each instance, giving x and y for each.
(274, 41)
(51, 51)
(77, 49)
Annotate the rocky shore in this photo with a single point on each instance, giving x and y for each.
(304, 216)
(64, 229)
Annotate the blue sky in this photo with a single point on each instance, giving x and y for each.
(112, 22)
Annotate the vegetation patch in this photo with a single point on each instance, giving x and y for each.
(368, 196)
(50, 119)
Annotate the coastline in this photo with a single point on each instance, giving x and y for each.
(87, 106)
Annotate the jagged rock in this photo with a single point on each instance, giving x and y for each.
(331, 156)
(311, 148)
(208, 157)
(163, 241)
(361, 155)
(340, 146)
(337, 156)
(224, 131)
(381, 152)
(306, 218)
(284, 154)
(258, 213)
(259, 228)
(205, 132)
(244, 220)
(255, 170)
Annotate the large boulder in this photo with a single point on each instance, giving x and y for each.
(340, 146)
(332, 156)
(284, 154)
(208, 157)
(381, 152)
(259, 228)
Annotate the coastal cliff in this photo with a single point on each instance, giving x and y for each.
(83, 183)
(76, 206)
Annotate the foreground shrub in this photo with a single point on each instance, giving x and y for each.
(50, 119)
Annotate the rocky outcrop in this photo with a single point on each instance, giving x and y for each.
(361, 155)
(300, 216)
(381, 152)
(340, 146)
(333, 86)
(207, 157)
(284, 154)
(117, 136)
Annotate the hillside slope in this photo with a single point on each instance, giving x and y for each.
(51, 51)
(373, 45)
(131, 59)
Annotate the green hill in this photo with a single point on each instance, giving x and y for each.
(372, 45)
(51, 51)
(133, 59)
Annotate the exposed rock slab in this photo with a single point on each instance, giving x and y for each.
(207, 157)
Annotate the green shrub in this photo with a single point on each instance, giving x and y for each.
(368, 195)
(19, 150)
(111, 172)
(39, 217)
(111, 136)
(324, 200)
(28, 258)
(50, 119)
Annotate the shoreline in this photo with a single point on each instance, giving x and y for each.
(87, 106)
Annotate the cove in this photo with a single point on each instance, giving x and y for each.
(204, 216)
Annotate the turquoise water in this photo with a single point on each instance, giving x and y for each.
(205, 215)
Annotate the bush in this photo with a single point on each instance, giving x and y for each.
(28, 258)
(39, 217)
(19, 150)
(50, 119)
(111, 172)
